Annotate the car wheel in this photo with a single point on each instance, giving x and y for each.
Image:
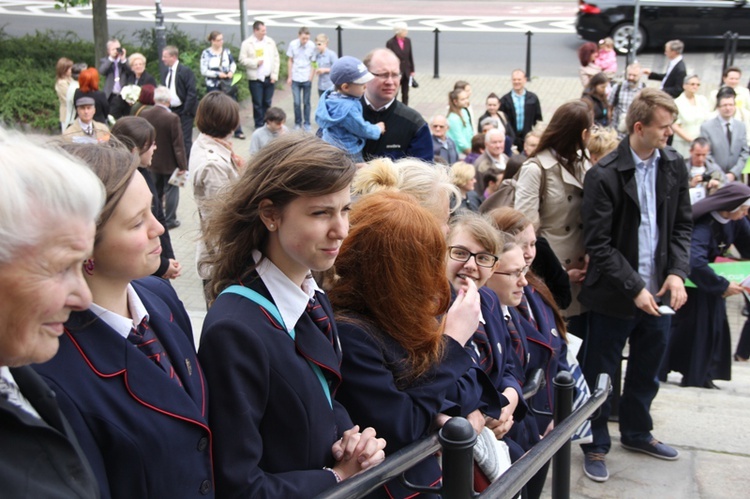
(620, 35)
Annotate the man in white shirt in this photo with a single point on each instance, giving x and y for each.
(300, 77)
(673, 78)
(260, 57)
(180, 81)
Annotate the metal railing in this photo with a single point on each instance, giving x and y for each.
(456, 440)
(556, 443)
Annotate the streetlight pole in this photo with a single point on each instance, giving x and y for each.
(243, 20)
(161, 37)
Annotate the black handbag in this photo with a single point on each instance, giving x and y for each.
(225, 85)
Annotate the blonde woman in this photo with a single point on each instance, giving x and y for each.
(63, 71)
(464, 176)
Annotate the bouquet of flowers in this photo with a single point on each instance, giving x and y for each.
(130, 93)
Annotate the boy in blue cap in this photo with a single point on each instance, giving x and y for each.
(339, 113)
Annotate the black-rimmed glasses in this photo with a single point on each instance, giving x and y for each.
(460, 254)
(516, 273)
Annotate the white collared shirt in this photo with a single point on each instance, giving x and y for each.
(175, 102)
(369, 104)
(290, 299)
(123, 325)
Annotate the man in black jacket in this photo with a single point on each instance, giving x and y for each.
(522, 107)
(406, 132)
(637, 227)
(674, 76)
(180, 80)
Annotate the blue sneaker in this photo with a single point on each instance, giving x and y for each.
(595, 466)
(652, 448)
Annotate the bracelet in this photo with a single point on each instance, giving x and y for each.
(338, 477)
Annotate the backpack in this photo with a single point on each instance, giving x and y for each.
(506, 193)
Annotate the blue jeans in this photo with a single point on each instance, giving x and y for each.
(304, 87)
(603, 353)
(262, 95)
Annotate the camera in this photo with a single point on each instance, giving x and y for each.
(706, 177)
(119, 50)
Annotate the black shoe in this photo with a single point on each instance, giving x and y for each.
(652, 448)
(710, 385)
(240, 135)
(173, 225)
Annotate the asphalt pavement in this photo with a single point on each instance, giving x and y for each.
(708, 427)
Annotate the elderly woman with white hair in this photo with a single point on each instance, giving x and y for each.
(49, 204)
(400, 45)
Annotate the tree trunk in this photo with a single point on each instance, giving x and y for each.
(101, 29)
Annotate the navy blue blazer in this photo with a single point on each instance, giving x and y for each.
(546, 350)
(487, 386)
(273, 426)
(41, 457)
(400, 414)
(143, 435)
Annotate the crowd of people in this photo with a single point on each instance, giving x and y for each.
(363, 286)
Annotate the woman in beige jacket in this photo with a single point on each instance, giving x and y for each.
(560, 161)
(213, 165)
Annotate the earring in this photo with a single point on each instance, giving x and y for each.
(272, 226)
(88, 266)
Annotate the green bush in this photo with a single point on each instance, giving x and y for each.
(27, 69)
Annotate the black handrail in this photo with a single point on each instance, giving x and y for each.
(508, 485)
(389, 469)
(409, 456)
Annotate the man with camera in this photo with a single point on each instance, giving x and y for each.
(115, 68)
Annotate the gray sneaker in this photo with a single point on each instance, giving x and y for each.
(595, 466)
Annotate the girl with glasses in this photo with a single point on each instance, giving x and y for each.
(543, 330)
(478, 252)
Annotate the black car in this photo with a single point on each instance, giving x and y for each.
(698, 23)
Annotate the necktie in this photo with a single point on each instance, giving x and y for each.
(89, 130)
(144, 338)
(523, 309)
(479, 348)
(117, 87)
(515, 338)
(169, 79)
(319, 317)
(729, 134)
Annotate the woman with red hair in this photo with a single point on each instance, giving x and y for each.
(403, 348)
(88, 86)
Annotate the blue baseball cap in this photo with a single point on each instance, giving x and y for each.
(349, 69)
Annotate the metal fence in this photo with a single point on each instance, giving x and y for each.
(456, 441)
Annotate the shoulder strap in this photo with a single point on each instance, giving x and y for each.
(264, 302)
(617, 95)
(542, 180)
